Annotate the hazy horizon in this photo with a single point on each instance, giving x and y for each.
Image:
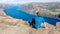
(26, 1)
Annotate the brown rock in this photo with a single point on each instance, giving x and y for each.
(2, 13)
(58, 26)
(9, 25)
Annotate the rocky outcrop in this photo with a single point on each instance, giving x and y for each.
(58, 26)
(9, 25)
(2, 13)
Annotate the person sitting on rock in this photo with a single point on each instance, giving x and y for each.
(38, 21)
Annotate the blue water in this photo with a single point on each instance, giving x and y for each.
(15, 13)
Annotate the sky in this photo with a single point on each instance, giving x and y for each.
(26, 1)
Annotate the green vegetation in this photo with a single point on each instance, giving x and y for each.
(51, 8)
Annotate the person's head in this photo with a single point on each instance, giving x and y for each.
(37, 13)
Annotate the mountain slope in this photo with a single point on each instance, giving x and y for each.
(45, 9)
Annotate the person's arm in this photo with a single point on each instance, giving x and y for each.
(44, 24)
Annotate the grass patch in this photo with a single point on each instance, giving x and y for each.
(52, 9)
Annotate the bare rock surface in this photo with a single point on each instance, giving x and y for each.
(2, 13)
(9, 25)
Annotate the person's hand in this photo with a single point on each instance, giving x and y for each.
(44, 25)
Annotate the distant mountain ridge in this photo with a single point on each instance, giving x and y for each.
(45, 9)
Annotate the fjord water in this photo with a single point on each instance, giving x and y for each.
(19, 14)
